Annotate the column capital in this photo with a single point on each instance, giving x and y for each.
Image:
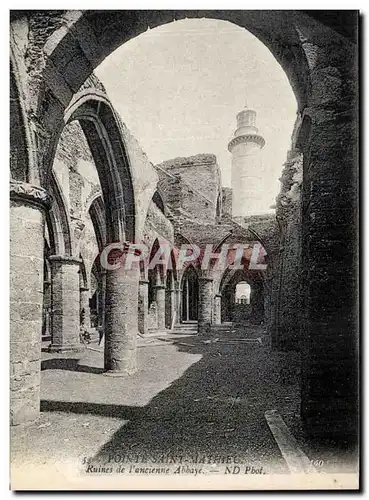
(31, 194)
(143, 282)
(83, 289)
(64, 259)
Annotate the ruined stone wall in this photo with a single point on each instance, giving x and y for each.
(286, 287)
(77, 175)
(158, 225)
(199, 186)
(226, 202)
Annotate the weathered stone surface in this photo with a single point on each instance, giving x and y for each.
(65, 325)
(121, 321)
(217, 309)
(143, 305)
(320, 61)
(25, 311)
(205, 304)
(197, 186)
(159, 291)
(287, 272)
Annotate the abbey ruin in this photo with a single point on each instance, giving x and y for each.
(81, 182)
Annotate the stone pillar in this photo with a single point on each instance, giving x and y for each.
(173, 305)
(217, 309)
(178, 304)
(330, 246)
(330, 327)
(65, 303)
(101, 301)
(143, 306)
(27, 207)
(160, 304)
(85, 322)
(121, 322)
(205, 303)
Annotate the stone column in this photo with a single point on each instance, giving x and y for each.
(143, 306)
(65, 303)
(27, 207)
(121, 322)
(101, 301)
(205, 303)
(217, 309)
(178, 304)
(85, 322)
(330, 327)
(173, 305)
(330, 246)
(160, 304)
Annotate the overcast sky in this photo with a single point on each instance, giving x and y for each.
(179, 87)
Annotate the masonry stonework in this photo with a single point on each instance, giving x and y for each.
(313, 251)
(27, 207)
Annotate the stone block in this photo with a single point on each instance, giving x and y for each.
(25, 350)
(25, 311)
(20, 383)
(25, 331)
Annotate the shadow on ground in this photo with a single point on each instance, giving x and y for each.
(216, 408)
(68, 364)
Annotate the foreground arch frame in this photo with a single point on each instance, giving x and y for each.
(321, 64)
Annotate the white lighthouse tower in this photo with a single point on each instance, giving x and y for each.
(247, 174)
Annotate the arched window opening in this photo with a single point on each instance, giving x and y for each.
(190, 295)
(243, 292)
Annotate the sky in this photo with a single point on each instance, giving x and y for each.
(179, 87)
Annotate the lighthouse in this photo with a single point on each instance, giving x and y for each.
(247, 172)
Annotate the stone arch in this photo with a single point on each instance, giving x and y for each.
(96, 209)
(156, 275)
(92, 37)
(58, 221)
(102, 130)
(189, 286)
(181, 239)
(18, 140)
(84, 281)
(227, 290)
(24, 149)
(319, 59)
